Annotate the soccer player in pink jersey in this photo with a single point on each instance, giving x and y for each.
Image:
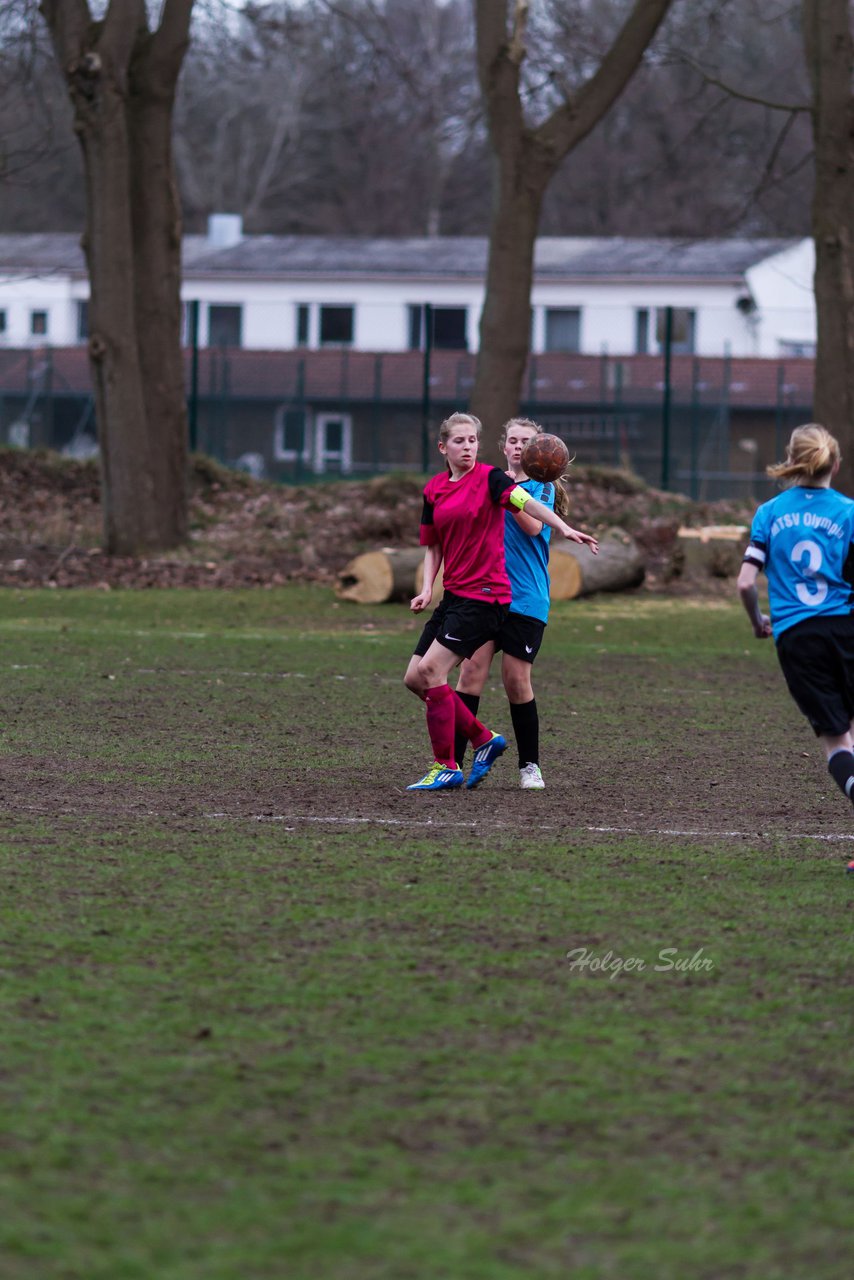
(462, 525)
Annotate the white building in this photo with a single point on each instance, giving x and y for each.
(737, 297)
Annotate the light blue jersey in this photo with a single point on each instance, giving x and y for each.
(802, 539)
(527, 558)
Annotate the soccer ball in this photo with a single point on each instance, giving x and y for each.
(545, 457)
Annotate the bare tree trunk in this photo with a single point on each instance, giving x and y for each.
(122, 96)
(505, 323)
(830, 54)
(525, 160)
(157, 240)
(94, 58)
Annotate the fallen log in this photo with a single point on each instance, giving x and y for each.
(397, 573)
(716, 549)
(379, 576)
(575, 571)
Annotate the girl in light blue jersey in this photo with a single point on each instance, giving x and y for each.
(526, 547)
(803, 541)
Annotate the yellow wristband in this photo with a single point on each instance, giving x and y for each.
(519, 498)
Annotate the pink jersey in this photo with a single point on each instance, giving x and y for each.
(465, 519)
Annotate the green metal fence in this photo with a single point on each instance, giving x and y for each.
(704, 427)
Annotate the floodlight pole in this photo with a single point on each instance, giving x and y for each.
(666, 403)
(425, 389)
(194, 376)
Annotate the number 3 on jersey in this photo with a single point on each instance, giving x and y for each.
(809, 595)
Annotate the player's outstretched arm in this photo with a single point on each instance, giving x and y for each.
(749, 594)
(528, 524)
(536, 509)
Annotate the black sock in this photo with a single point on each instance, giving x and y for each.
(841, 766)
(472, 701)
(526, 726)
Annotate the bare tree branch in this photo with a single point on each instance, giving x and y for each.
(767, 178)
(516, 48)
(68, 19)
(566, 127)
(732, 92)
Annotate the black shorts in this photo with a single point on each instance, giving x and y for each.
(817, 657)
(520, 636)
(461, 625)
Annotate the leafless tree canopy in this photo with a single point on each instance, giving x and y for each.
(364, 117)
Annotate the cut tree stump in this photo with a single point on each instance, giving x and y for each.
(379, 576)
(575, 571)
(391, 574)
(716, 548)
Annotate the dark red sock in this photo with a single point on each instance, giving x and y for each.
(472, 701)
(468, 724)
(440, 723)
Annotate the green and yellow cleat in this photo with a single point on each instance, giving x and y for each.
(439, 777)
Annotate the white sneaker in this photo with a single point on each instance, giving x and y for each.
(530, 778)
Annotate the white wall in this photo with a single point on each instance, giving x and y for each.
(781, 287)
(608, 314)
(381, 308)
(382, 311)
(382, 319)
(20, 297)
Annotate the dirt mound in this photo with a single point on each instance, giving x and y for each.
(246, 532)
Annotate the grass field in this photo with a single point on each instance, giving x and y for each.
(263, 1014)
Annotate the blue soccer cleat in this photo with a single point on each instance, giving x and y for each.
(484, 759)
(439, 777)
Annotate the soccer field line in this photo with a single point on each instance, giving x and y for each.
(430, 824)
(291, 821)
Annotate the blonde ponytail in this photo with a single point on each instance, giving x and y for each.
(810, 454)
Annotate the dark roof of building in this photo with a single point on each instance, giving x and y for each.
(444, 257)
(465, 256)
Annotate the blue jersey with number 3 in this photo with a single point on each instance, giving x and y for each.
(802, 539)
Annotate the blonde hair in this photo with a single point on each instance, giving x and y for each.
(561, 495)
(811, 452)
(456, 420)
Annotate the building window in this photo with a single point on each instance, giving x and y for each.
(225, 325)
(416, 315)
(333, 445)
(290, 436)
(302, 324)
(449, 328)
(190, 317)
(798, 350)
(336, 326)
(563, 329)
(642, 332)
(683, 335)
(83, 321)
(38, 324)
